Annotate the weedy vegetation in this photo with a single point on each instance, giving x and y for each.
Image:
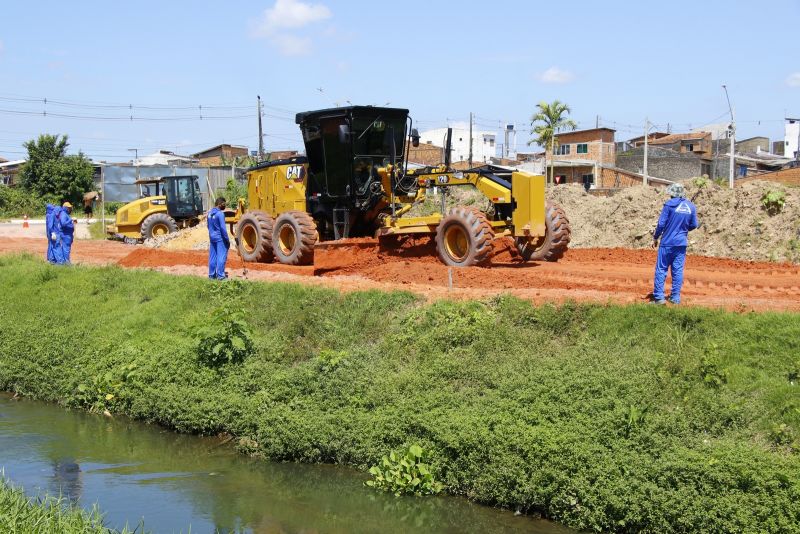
(605, 418)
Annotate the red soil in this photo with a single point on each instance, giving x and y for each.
(604, 275)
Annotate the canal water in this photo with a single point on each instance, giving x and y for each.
(135, 471)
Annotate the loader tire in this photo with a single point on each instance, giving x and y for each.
(158, 224)
(555, 241)
(294, 237)
(464, 237)
(254, 237)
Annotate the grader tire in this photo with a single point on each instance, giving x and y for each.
(464, 237)
(556, 239)
(294, 237)
(254, 237)
(158, 224)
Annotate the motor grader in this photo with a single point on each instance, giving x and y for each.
(354, 181)
(166, 204)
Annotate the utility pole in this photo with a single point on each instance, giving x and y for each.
(646, 135)
(732, 132)
(260, 133)
(470, 140)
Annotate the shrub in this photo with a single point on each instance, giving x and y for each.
(16, 202)
(773, 201)
(404, 473)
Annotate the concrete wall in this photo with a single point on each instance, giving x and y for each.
(663, 163)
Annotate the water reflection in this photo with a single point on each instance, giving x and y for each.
(133, 470)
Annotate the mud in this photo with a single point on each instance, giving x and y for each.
(618, 275)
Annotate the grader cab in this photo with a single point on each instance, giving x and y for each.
(355, 182)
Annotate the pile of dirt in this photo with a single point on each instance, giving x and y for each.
(734, 223)
(194, 238)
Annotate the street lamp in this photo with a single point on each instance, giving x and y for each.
(732, 131)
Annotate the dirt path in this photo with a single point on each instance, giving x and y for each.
(601, 275)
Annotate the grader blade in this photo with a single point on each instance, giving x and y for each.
(345, 254)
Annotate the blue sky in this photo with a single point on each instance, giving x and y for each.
(623, 61)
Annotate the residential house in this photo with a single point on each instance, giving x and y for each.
(9, 171)
(282, 154)
(220, 155)
(484, 145)
(579, 156)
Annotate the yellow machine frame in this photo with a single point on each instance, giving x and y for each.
(129, 218)
(281, 188)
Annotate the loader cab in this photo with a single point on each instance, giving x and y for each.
(181, 194)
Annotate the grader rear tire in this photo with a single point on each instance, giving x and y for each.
(158, 224)
(294, 237)
(464, 237)
(254, 237)
(555, 241)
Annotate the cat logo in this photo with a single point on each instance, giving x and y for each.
(683, 208)
(295, 172)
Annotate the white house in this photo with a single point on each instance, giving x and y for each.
(484, 144)
(791, 137)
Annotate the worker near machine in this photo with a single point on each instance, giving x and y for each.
(678, 218)
(219, 242)
(66, 230)
(53, 240)
(88, 204)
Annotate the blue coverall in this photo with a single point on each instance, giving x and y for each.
(66, 232)
(53, 245)
(678, 218)
(219, 243)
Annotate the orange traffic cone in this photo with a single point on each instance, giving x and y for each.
(25, 222)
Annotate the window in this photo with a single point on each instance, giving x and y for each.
(690, 147)
(561, 150)
(582, 148)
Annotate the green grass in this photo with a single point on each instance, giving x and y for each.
(46, 515)
(602, 417)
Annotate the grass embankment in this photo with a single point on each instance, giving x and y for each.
(45, 515)
(602, 417)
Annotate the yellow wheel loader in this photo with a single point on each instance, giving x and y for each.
(166, 204)
(355, 182)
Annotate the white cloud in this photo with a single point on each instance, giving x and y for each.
(556, 75)
(793, 80)
(282, 23)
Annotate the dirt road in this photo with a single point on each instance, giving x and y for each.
(601, 275)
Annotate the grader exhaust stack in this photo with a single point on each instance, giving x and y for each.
(354, 182)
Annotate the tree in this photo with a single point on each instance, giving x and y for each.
(50, 171)
(549, 119)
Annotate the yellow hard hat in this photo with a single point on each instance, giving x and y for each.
(66, 205)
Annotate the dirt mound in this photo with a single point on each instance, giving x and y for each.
(733, 222)
(194, 238)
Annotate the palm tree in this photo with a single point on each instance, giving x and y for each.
(546, 123)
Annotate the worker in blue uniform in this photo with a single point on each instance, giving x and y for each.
(53, 242)
(219, 242)
(678, 218)
(66, 231)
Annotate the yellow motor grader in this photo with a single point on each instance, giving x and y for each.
(354, 181)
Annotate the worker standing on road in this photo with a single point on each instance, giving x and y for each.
(678, 218)
(219, 242)
(65, 227)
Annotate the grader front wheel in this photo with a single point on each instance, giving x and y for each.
(555, 242)
(464, 237)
